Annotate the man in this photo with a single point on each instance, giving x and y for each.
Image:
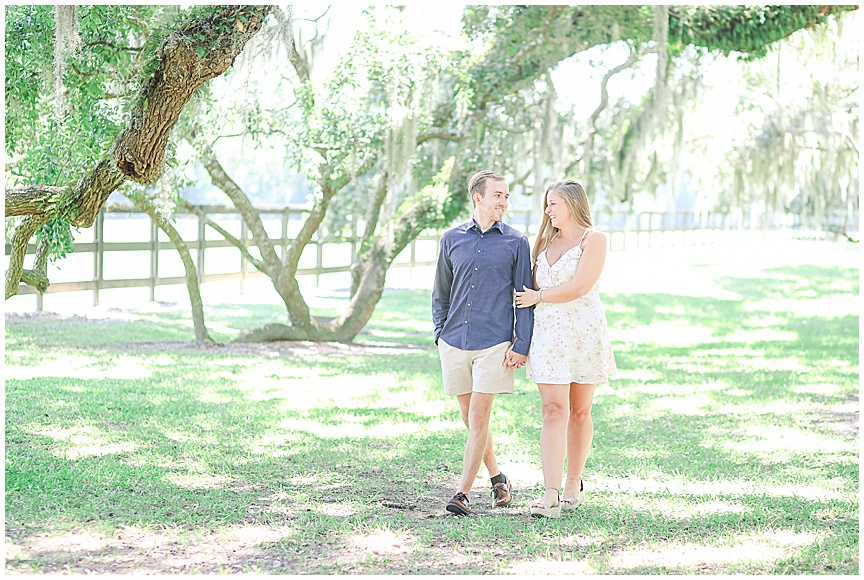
(480, 264)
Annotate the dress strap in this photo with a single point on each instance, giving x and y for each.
(585, 233)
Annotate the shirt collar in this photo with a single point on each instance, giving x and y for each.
(473, 224)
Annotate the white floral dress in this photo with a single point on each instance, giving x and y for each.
(570, 343)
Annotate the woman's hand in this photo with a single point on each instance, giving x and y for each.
(526, 298)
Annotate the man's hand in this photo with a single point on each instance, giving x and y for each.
(514, 360)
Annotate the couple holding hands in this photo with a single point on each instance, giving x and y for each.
(557, 330)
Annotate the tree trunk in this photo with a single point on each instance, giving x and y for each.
(352, 320)
(20, 240)
(139, 150)
(192, 286)
(250, 216)
(372, 216)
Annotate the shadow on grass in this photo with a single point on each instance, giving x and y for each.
(707, 444)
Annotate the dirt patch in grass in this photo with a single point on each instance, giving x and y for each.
(260, 543)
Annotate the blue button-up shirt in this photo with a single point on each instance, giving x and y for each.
(477, 273)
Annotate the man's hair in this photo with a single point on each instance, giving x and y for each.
(477, 183)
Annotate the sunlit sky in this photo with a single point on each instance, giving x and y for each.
(713, 125)
(576, 81)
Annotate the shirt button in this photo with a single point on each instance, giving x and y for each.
(469, 305)
(475, 269)
(478, 251)
(466, 322)
(472, 285)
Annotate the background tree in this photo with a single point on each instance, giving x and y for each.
(389, 141)
(800, 154)
(199, 45)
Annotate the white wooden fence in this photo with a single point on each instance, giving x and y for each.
(125, 249)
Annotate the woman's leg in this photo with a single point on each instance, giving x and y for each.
(580, 432)
(553, 437)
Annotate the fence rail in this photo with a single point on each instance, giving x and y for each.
(644, 230)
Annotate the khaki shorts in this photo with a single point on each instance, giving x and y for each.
(479, 371)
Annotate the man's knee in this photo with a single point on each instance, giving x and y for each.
(479, 411)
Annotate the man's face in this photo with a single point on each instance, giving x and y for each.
(493, 205)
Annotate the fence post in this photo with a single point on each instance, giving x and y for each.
(319, 256)
(243, 260)
(353, 241)
(286, 217)
(201, 244)
(154, 259)
(98, 254)
(650, 229)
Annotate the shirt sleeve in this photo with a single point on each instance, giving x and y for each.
(441, 289)
(522, 276)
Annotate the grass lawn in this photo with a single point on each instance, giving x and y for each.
(728, 444)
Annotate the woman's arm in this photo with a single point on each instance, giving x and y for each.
(590, 267)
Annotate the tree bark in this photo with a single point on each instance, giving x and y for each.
(31, 199)
(188, 58)
(20, 240)
(140, 148)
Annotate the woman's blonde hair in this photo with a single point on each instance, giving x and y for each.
(576, 201)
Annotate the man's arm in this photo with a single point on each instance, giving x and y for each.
(441, 290)
(523, 275)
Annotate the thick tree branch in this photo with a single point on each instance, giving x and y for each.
(20, 239)
(443, 136)
(592, 120)
(373, 213)
(32, 199)
(192, 282)
(185, 205)
(140, 148)
(241, 201)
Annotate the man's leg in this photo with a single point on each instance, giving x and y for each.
(489, 451)
(479, 442)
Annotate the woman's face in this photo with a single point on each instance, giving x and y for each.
(557, 210)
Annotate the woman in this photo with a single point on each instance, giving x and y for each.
(570, 351)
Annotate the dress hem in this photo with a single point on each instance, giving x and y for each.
(580, 380)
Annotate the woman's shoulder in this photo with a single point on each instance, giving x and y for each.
(595, 236)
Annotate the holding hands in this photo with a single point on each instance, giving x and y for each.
(514, 359)
(528, 297)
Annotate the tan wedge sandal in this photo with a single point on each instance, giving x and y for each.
(541, 510)
(571, 503)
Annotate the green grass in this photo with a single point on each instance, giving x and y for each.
(729, 444)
